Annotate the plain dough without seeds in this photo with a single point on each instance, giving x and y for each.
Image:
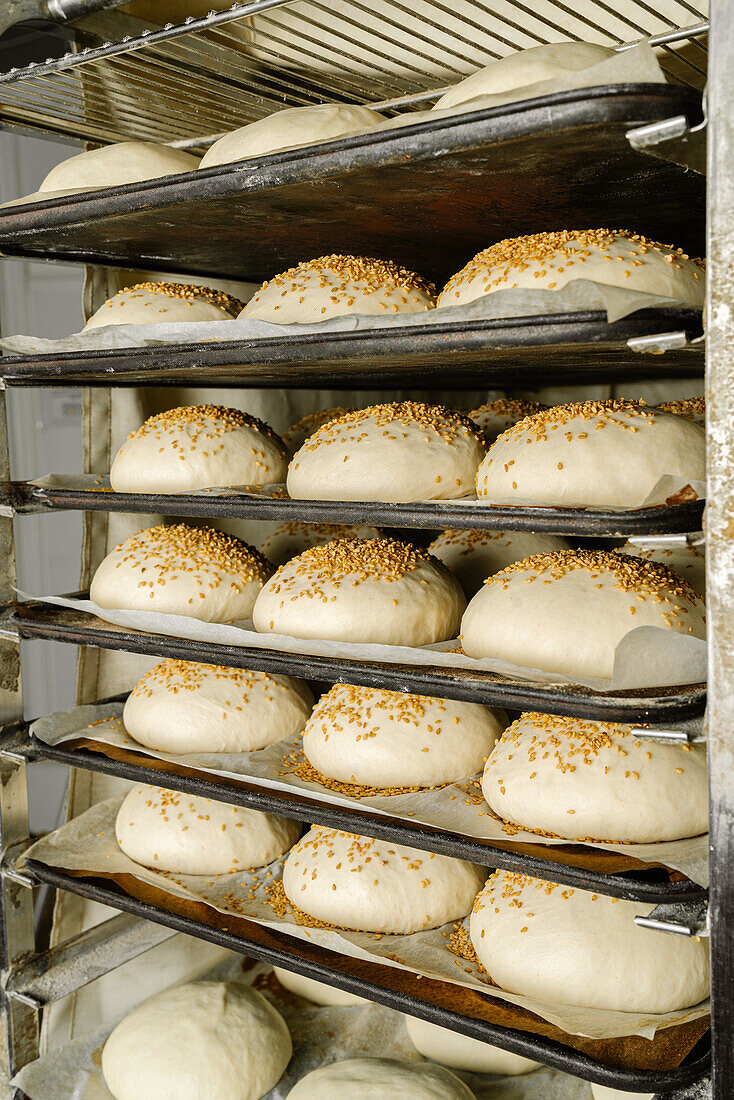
(184, 707)
(189, 835)
(289, 539)
(688, 561)
(566, 613)
(371, 590)
(369, 885)
(472, 556)
(318, 992)
(156, 303)
(290, 129)
(378, 1078)
(602, 1092)
(219, 447)
(403, 451)
(457, 1051)
(548, 261)
(578, 779)
(497, 416)
(114, 165)
(182, 570)
(606, 454)
(386, 739)
(564, 946)
(198, 1041)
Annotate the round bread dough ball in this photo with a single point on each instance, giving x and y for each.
(386, 739)
(472, 556)
(362, 590)
(689, 562)
(566, 612)
(450, 1048)
(182, 570)
(369, 885)
(198, 447)
(331, 286)
(524, 68)
(289, 129)
(377, 1078)
(497, 416)
(299, 432)
(200, 1040)
(318, 992)
(564, 946)
(398, 452)
(289, 539)
(580, 779)
(693, 408)
(548, 261)
(189, 835)
(183, 707)
(117, 164)
(603, 1092)
(603, 454)
(155, 303)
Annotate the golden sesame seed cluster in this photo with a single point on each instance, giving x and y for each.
(693, 408)
(498, 415)
(287, 540)
(299, 432)
(689, 562)
(150, 303)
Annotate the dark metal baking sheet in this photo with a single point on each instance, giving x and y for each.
(561, 348)
(657, 706)
(414, 998)
(428, 195)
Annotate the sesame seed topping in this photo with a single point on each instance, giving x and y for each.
(188, 292)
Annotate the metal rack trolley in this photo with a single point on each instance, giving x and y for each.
(69, 96)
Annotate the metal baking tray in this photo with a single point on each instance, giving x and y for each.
(429, 195)
(655, 705)
(578, 347)
(426, 998)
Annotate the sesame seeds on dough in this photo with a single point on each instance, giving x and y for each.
(198, 447)
(286, 540)
(548, 261)
(586, 780)
(362, 590)
(472, 556)
(357, 882)
(498, 415)
(182, 570)
(689, 562)
(559, 945)
(331, 286)
(693, 408)
(150, 303)
(402, 451)
(299, 432)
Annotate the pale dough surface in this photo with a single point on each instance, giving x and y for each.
(603, 1092)
(289, 539)
(591, 455)
(183, 707)
(566, 946)
(370, 885)
(140, 305)
(114, 165)
(299, 432)
(440, 1044)
(217, 449)
(472, 556)
(196, 1042)
(579, 779)
(189, 835)
(378, 1078)
(497, 416)
(573, 623)
(318, 992)
(385, 739)
(289, 129)
(688, 561)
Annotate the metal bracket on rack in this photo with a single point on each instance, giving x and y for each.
(659, 342)
(692, 732)
(680, 918)
(9, 864)
(673, 139)
(668, 542)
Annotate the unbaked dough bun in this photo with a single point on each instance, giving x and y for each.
(566, 612)
(603, 1092)
(693, 408)
(289, 539)
(547, 261)
(114, 165)
(331, 286)
(155, 303)
(378, 1078)
(387, 739)
(497, 416)
(689, 562)
(472, 556)
(450, 1048)
(362, 590)
(544, 940)
(586, 780)
(198, 447)
(189, 835)
(605, 454)
(523, 68)
(206, 1039)
(369, 885)
(182, 570)
(318, 992)
(401, 451)
(183, 707)
(299, 432)
(289, 129)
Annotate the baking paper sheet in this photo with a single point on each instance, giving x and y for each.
(457, 807)
(88, 845)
